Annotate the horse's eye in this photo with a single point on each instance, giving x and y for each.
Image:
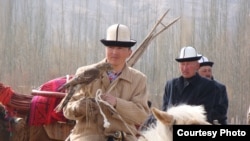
(174, 122)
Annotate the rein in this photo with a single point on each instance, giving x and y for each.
(106, 123)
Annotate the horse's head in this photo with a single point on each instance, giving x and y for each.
(182, 115)
(176, 115)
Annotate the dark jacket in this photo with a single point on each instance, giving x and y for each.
(221, 104)
(197, 91)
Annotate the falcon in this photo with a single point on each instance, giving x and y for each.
(82, 80)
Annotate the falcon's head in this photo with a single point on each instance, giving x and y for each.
(104, 67)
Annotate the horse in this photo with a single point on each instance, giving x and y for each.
(11, 127)
(182, 114)
(4, 133)
(19, 109)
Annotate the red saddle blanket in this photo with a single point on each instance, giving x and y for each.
(6, 93)
(42, 107)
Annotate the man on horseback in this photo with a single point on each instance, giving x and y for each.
(117, 103)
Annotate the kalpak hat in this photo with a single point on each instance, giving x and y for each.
(205, 62)
(188, 54)
(118, 35)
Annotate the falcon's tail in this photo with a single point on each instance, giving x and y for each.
(60, 106)
(64, 101)
(61, 88)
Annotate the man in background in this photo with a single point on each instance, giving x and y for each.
(205, 70)
(189, 88)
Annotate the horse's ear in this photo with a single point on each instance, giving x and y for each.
(162, 116)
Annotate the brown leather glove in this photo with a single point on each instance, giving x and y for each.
(86, 107)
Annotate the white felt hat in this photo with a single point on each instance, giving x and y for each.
(118, 35)
(188, 54)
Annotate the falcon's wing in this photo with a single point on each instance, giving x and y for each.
(84, 78)
(87, 76)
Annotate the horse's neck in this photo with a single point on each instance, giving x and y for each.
(159, 133)
(165, 132)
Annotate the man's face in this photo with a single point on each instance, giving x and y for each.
(188, 69)
(117, 55)
(205, 71)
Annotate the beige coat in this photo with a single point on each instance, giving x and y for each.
(131, 92)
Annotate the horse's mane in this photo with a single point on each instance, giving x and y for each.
(188, 114)
(177, 115)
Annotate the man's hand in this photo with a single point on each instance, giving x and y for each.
(109, 98)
